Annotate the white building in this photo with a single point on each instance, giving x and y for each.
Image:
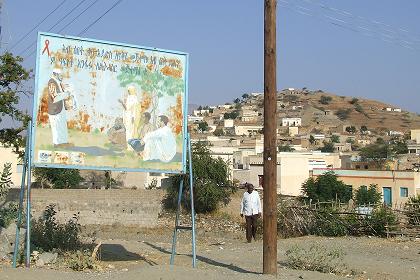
(228, 123)
(291, 122)
(293, 169)
(249, 115)
(248, 129)
(195, 119)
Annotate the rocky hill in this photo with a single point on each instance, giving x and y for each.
(324, 111)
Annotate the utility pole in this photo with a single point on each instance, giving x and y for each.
(270, 136)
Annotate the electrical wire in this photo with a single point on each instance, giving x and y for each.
(37, 25)
(99, 18)
(59, 31)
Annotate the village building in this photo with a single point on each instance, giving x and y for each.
(291, 122)
(395, 186)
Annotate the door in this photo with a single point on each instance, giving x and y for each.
(387, 196)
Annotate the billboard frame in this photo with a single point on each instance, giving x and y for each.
(106, 168)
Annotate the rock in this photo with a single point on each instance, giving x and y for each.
(7, 241)
(124, 269)
(47, 258)
(110, 266)
(406, 247)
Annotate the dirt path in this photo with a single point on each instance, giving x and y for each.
(130, 255)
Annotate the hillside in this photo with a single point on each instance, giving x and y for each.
(323, 111)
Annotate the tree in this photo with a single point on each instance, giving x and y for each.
(58, 178)
(236, 100)
(335, 139)
(328, 147)
(343, 114)
(399, 147)
(218, 132)
(245, 96)
(5, 180)
(12, 78)
(351, 129)
(365, 195)
(326, 187)
(212, 185)
(203, 126)
(325, 100)
(377, 153)
(354, 101)
(285, 148)
(200, 108)
(363, 129)
(312, 139)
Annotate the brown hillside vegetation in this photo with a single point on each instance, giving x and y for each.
(321, 109)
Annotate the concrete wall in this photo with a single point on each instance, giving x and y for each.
(106, 207)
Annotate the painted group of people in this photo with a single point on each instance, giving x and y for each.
(150, 142)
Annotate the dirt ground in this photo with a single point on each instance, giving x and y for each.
(129, 253)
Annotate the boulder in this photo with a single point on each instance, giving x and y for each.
(46, 258)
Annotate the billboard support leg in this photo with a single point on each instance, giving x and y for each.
(21, 195)
(178, 210)
(28, 201)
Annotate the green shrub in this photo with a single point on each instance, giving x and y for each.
(48, 234)
(58, 178)
(81, 260)
(381, 220)
(354, 101)
(316, 258)
(211, 184)
(329, 223)
(326, 187)
(8, 214)
(325, 100)
(365, 195)
(5, 181)
(343, 114)
(412, 208)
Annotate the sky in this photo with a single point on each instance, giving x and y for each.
(368, 49)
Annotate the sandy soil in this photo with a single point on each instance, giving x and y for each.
(130, 254)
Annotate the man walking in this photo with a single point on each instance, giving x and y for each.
(251, 208)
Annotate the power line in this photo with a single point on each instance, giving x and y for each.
(76, 17)
(368, 27)
(37, 25)
(66, 15)
(94, 22)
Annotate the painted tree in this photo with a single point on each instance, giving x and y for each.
(12, 78)
(158, 83)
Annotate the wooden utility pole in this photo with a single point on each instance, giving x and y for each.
(270, 135)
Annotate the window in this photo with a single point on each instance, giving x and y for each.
(403, 192)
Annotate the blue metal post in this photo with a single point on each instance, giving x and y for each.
(192, 200)
(21, 195)
(28, 203)
(178, 209)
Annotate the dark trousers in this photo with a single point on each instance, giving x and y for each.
(251, 227)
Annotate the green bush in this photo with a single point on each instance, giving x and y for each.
(211, 184)
(316, 258)
(325, 100)
(412, 208)
(48, 234)
(329, 223)
(365, 195)
(381, 220)
(8, 214)
(58, 178)
(81, 260)
(343, 114)
(326, 187)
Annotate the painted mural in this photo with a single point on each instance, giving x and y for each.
(102, 105)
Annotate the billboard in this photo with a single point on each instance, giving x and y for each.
(109, 106)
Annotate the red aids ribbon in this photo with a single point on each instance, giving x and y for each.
(46, 43)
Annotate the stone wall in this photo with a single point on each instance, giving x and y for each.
(96, 206)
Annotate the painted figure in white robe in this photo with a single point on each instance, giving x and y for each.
(129, 104)
(56, 109)
(160, 144)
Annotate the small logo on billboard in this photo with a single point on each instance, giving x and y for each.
(61, 157)
(77, 158)
(44, 156)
